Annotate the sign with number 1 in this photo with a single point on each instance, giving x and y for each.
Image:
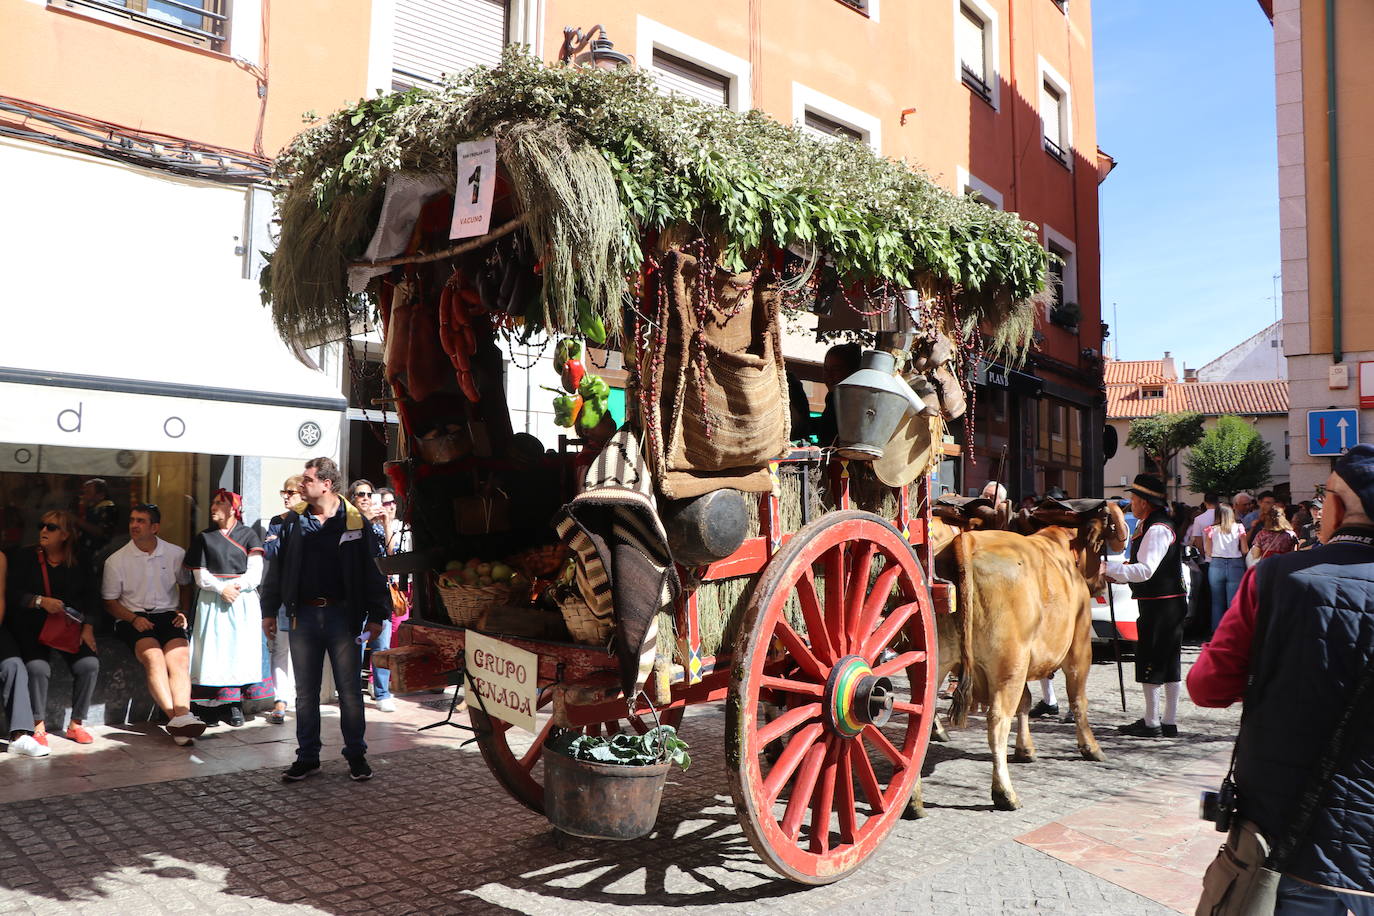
(475, 188)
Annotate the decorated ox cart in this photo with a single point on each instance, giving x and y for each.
(702, 545)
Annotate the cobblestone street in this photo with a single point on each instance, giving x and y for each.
(435, 833)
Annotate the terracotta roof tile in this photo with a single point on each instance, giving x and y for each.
(1124, 401)
(1129, 371)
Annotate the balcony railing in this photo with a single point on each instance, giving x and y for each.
(212, 17)
(1057, 151)
(974, 80)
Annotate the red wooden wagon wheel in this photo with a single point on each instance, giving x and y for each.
(839, 615)
(515, 757)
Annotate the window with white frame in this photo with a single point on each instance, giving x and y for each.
(433, 37)
(1062, 4)
(1063, 269)
(821, 116)
(975, 47)
(682, 64)
(1056, 115)
(202, 23)
(984, 193)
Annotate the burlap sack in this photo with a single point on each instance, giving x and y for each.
(732, 348)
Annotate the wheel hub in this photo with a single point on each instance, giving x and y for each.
(856, 698)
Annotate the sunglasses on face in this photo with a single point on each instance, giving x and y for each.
(361, 493)
(288, 492)
(388, 502)
(49, 526)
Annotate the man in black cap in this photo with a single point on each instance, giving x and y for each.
(1301, 633)
(1154, 571)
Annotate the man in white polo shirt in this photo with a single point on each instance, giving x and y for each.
(146, 588)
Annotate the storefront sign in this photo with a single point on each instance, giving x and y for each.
(502, 679)
(476, 188)
(997, 375)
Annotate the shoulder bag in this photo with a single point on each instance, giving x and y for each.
(1243, 880)
(59, 631)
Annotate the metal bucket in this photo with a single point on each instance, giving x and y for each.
(602, 801)
(704, 529)
(868, 406)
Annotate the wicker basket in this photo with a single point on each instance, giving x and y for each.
(541, 562)
(584, 625)
(466, 603)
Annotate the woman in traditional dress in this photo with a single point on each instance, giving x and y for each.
(227, 642)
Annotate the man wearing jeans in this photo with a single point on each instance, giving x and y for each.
(326, 577)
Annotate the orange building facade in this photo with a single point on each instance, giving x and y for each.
(993, 97)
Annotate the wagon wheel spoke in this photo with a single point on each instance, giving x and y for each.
(877, 600)
(888, 629)
(849, 826)
(868, 780)
(531, 757)
(787, 763)
(798, 715)
(785, 685)
(800, 799)
(825, 799)
(874, 734)
(801, 652)
(911, 709)
(815, 618)
(834, 598)
(900, 663)
(855, 607)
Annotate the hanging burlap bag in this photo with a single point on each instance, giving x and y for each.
(724, 356)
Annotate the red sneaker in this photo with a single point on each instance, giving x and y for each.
(78, 734)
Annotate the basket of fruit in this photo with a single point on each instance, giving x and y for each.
(470, 588)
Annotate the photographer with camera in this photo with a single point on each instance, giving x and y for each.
(1297, 645)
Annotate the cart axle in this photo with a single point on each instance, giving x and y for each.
(856, 698)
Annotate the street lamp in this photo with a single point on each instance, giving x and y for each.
(602, 52)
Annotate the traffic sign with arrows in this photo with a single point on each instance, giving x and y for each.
(1332, 432)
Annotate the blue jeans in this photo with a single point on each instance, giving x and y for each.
(1298, 899)
(321, 631)
(381, 677)
(1223, 577)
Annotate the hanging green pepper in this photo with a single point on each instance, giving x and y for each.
(589, 323)
(566, 408)
(596, 401)
(568, 348)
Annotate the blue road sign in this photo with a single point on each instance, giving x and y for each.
(1332, 432)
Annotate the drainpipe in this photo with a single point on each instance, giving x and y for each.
(1334, 174)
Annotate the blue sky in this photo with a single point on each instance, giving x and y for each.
(1190, 223)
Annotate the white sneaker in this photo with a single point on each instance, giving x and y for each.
(186, 726)
(386, 704)
(182, 740)
(28, 746)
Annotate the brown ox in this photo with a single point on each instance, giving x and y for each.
(1024, 611)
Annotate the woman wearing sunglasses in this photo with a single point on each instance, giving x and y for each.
(46, 580)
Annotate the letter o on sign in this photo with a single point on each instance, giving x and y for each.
(174, 427)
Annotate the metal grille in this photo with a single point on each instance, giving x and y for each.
(200, 22)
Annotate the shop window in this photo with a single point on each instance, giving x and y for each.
(203, 23)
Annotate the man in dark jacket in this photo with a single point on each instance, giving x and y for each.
(1318, 608)
(326, 577)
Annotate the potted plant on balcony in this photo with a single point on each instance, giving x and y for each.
(1066, 315)
(609, 788)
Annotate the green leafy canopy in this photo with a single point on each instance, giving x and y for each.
(741, 180)
(1231, 457)
(1163, 436)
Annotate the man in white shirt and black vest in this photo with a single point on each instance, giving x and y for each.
(1154, 571)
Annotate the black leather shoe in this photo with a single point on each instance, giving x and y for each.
(1042, 709)
(234, 717)
(1138, 729)
(1168, 731)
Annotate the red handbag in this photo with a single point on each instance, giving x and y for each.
(59, 631)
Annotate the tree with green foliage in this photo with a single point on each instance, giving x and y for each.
(1229, 458)
(1163, 436)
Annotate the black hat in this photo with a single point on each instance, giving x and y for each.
(1356, 468)
(1149, 488)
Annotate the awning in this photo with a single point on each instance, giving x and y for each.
(132, 323)
(995, 375)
